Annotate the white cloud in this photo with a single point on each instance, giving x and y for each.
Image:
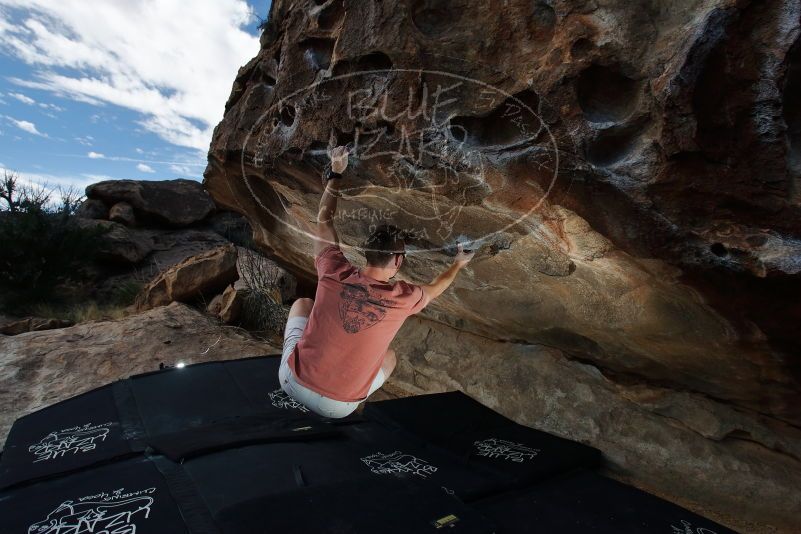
(183, 160)
(85, 140)
(144, 168)
(46, 105)
(182, 170)
(23, 98)
(25, 126)
(175, 68)
(139, 150)
(52, 181)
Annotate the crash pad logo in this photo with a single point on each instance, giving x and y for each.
(505, 450)
(425, 148)
(74, 440)
(688, 528)
(115, 513)
(280, 399)
(398, 462)
(358, 309)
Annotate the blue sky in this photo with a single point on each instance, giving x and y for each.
(106, 89)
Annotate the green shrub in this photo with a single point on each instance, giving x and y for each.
(124, 294)
(40, 248)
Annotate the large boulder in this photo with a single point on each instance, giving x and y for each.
(228, 304)
(117, 243)
(201, 275)
(122, 213)
(171, 202)
(171, 247)
(630, 168)
(92, 208)
(41, 368)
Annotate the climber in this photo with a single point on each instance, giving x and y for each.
(336, 347)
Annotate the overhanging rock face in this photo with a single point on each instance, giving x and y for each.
(631, 169)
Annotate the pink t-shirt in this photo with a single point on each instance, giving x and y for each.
(351, 325)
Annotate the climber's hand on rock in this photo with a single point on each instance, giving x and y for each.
(339, 159)
(463, 256)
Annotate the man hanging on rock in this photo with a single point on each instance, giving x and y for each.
(336, 346)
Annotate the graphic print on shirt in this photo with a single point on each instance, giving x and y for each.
(359, 309)
(398, 462)
(505, 450)
(280, 399)
(72, 440)
(98, 513)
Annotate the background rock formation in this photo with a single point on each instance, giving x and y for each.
(662, 262)
(170, 202)
(205, 273)
(152, 226)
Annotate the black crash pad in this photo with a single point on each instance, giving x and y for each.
(392, 452)
(228, 477)
(588, 502)
(481, 436)
(173, 400)
(123, 497)
(366, 505)
(70, 435)
(238, 432)
(253, 462)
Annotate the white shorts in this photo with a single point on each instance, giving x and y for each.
(317, 403)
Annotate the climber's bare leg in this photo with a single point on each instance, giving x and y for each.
(292, 334)
(301, 308)
(388, 365)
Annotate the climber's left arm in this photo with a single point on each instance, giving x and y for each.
(326, 233)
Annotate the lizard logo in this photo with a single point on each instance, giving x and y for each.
(114, 517)
(69, 441)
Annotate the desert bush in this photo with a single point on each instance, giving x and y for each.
(40, 248)
(124, 293)
(262, 308)
(78, 312)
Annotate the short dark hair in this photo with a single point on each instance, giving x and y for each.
(385, 241)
